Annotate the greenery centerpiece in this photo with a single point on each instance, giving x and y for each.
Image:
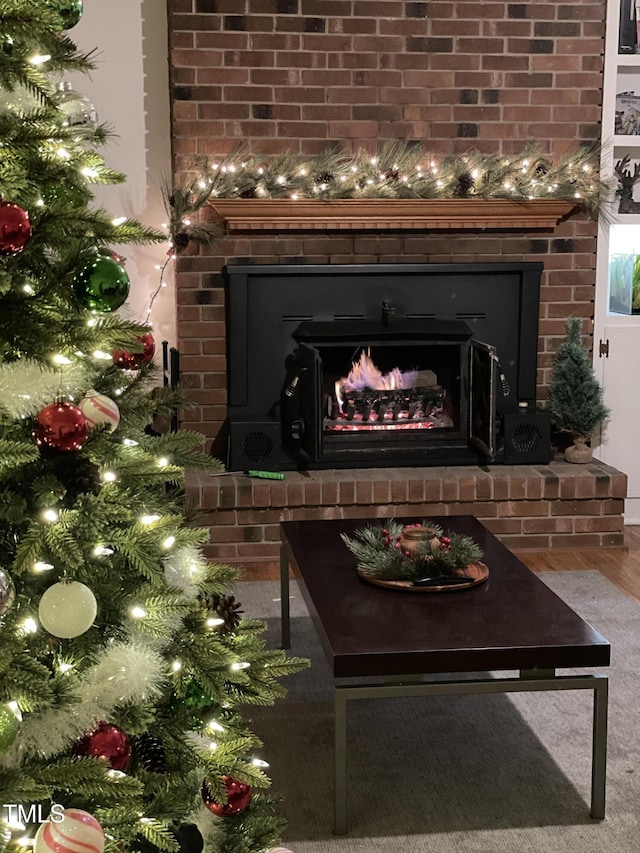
(420, 554)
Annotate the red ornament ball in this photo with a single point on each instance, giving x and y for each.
(15, 228)
(238, 797)
(135, 360)
(107, 742)
(60, 426)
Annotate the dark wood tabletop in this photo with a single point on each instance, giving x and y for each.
(513, 621)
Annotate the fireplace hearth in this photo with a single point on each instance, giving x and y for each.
(377, 365)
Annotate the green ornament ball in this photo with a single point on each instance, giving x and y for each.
(69, 10)
(8, 728)
(103, 284)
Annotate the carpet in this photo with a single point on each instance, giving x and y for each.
(468, 773)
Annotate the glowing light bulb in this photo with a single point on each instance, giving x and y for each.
(137, 612)
(29, 626)
(58, 358)
(40, 58)
(101, 551)
(214, 622)
(15, 710)
(50, 515)
(176, 666)
(109, 476)
(162, 462)
(26, 288)
(258, 762)
(41, 566)
(119, 220)
(149, 519)
(64, 666)
(88, 172)
(215, 726)
(129, 442)
(169, 542)
(236, 667)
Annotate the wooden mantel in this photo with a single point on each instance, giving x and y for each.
(241, 214)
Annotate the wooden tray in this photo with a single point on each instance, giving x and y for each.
(478, 571)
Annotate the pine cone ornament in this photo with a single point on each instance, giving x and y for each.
(224, 607)
(250, 192)
(465, 182)
(181, 239)
(393, 174)
(149, 753)
(79, 476)
(324, 178)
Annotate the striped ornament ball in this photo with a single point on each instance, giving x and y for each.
(99, 410)
(77, 832)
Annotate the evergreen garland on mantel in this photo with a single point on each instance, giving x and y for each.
(401, 169)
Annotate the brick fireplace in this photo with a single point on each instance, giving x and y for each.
(305, 75)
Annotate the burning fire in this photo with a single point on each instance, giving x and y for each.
(365, 374)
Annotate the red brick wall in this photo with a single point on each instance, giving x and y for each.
(303, 75)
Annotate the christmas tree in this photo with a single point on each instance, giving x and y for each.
(126, 665)
(575, 395)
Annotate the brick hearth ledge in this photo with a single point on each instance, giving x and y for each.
(559, 505)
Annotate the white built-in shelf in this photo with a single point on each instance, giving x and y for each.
(626, 219)
(628, 60)
(621, 141)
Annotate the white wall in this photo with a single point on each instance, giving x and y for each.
(130, 90)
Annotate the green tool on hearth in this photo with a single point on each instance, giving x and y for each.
(267, 475)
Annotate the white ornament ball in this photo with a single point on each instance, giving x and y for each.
(77, 832)
(99, 410)
(67, 609)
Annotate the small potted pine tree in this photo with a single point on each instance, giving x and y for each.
(575, 395)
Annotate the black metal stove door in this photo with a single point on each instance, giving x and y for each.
(301, 405)
(483, 374)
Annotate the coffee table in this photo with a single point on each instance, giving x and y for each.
(393, 642)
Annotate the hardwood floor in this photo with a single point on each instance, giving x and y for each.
(621, 566)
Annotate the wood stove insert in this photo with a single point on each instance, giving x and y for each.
(374, 365)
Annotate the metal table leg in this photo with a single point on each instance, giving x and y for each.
(340, 765)
(285, 614)
(529, 682)
(599, 755)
